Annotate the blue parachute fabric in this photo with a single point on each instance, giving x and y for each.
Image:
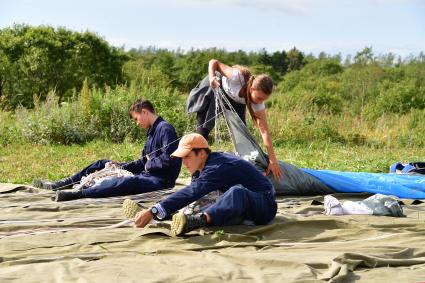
(400, 185)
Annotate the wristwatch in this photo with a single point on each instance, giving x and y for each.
(154, 211)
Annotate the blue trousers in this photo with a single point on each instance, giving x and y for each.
(136, 184)
(239, 203)
(96, 166)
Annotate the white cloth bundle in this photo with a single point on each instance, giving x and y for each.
(111, 171)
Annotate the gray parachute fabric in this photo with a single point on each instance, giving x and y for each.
(245, 145)
(294, 180)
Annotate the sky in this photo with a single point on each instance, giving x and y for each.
(312, 26)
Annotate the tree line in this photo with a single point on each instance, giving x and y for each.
(61, 86)
(35, 60)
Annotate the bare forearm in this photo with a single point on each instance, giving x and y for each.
(212, 67)
(267, 140)
(215, 65)
(262, 125)
(273, 166)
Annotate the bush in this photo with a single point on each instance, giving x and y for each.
(138, 74)
(315, 94)
(96, 114)
(9, 132)
(323, 67)
(51, 123)
(35, 60)
(397, 98)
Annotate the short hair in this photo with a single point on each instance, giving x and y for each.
(197, 150)
(140, 104)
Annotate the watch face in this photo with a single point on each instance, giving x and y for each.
(154, 210)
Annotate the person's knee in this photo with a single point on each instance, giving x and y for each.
(237, 189)
(237, 195)
(102, 162)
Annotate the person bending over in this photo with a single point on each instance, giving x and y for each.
(243, 89)
(247, 193)
(153, 171)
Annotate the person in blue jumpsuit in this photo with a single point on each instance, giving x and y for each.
(247, 193)
(153, 171)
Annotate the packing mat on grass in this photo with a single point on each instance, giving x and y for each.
(45, 241)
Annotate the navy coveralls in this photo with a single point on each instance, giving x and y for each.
(160, 171)
(248, 195)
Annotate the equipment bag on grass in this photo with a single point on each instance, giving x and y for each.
(408, 168)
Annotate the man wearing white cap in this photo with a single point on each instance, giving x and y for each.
(247, 194)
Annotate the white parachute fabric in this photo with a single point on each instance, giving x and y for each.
(111, 172)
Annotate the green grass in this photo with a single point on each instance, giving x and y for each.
(347, 158)
(21, 163)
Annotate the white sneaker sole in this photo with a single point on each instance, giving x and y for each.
(178, 224)
(130, 208)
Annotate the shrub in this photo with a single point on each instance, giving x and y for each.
(96, 114)
(9, 132)
(397, 98)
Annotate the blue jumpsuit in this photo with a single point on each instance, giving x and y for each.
(248, 195)
(160, 171)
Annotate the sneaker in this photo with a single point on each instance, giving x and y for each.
(182, 223)
(130, 208)
(68, 195)
(59, 185)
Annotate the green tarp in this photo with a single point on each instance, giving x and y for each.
(90, 241)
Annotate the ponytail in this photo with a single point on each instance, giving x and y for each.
(248, 101)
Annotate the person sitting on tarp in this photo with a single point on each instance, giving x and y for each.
(247, 193)
(242, 89)
(154, 170)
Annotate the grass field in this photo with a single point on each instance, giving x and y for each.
(21, 163)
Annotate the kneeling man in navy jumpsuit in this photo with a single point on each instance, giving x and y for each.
(247, 194)
(153, 171)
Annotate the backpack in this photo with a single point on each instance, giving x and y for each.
(408, 168)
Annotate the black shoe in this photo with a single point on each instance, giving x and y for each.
(59, 185)
(183, 223)
(68, 195)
